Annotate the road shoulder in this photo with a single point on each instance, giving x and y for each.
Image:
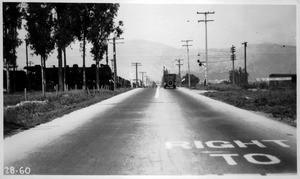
(248, 116)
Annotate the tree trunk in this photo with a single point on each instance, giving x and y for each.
(14, 75)
(97, 73)
(60, 71)
(7, 77)
(106, 53)
(83, 65)
(14, 63)
(44, 72)
(65, 68)
(43, 77)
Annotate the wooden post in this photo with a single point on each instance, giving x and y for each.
(25, 93)
(88, 90)
(56, 89)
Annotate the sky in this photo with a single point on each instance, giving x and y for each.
(169, 24)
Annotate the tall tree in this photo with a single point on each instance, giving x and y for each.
(64, 34)
(39, 25)
(82, 13)
(102, 25)
(11, 23)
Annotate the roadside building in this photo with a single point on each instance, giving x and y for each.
(282, 80)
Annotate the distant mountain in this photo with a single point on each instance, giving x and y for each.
(262, 59)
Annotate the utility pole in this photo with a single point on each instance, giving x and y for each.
(142, 72)
(245, 67)
(232, 50)
(115, 59)
(179, 71)
(30, 63)
(179, 64)
(206, 53)
(146, 81)
(136, 64)
(187, 51)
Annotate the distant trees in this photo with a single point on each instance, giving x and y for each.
(240, 76)
(11, 23)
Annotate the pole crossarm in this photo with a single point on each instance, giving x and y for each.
(205, 12)
(205, 20)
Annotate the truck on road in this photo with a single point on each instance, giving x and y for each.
(170, 80)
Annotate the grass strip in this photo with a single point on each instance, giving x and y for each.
(30, 114)
(279, 103)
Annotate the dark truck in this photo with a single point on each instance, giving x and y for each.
(170, 80)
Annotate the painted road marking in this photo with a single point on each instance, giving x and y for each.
(254, 158)
(209, 152)
(157, 93)
(279, 142)
(253, 142)
(223, 144)
(185, 145)
(249, 157)
(228, 158)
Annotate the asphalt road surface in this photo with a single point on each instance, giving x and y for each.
(163, 131)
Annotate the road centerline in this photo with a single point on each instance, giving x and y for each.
(157, 93)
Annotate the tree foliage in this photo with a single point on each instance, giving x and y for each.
(39, 25)
(64, 24)
(11, 23)
(51, 25)
(101, 26)
(194, 80)
(240, 76)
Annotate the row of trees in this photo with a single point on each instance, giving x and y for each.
(57, 25)
(240, 76)
(194, 80)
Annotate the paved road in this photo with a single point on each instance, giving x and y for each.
(164, 131)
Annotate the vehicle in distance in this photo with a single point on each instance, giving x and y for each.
(170, 80)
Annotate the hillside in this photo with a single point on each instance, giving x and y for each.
(262, 59)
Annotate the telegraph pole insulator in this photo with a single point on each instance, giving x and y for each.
(232, 49)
